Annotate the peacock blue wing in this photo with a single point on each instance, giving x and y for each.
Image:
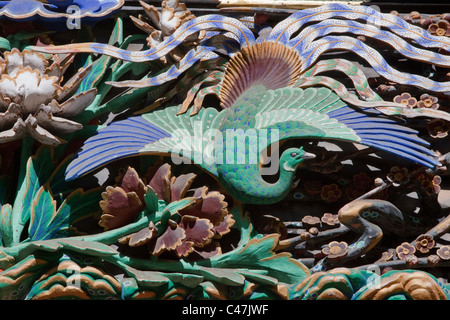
(118, 140)
(160, 133)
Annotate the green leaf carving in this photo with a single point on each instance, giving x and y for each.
(43, 213)
(101, 64)
(6, 231)
(48, 223)
(87, 247)
(222, 275)
(38, 170)
(259, 254)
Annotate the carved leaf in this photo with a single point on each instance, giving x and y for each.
(42, 212)
(222, 275)
(80, 204)
(151, 278)
(6, 232)
(87, 247)
(48, 223)
(259, 254)
(151, 200)
(97, 72)
(39, 169)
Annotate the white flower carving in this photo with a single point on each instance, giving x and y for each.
(33, 100)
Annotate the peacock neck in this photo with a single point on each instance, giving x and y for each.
(284, 184)
(246, 184)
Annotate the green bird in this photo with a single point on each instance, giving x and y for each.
(261, 110)
(229, 143)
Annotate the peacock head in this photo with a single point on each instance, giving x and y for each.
(292, 157)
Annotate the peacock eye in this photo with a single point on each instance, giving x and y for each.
(293, 154)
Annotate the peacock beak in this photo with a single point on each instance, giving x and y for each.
(307, 156)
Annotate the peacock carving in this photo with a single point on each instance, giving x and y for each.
(270, 90)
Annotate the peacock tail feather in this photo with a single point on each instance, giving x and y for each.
(316, 32)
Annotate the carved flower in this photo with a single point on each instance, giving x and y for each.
(336, 250)
(310, 221)
(444, 252)
(427, 101)
(353, 191)
(424, 243)
(305, 236)
(438, 128)
(406, 99)
(193, 226)
(330, 219)
(429, 182)
(404, 250)
(440, 28)
(331, 193)
(398, 176)
(33, 100)
(160, 25)
(122, 203)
